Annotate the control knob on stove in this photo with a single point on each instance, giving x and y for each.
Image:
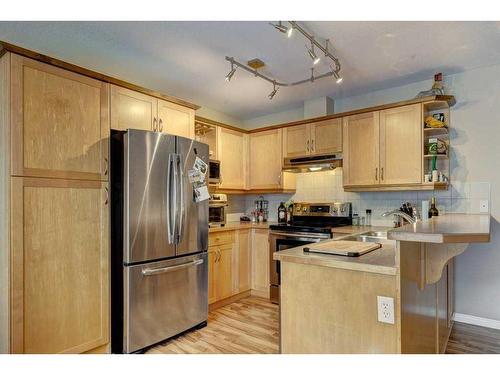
(304, 209)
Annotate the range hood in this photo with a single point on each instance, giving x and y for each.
(312, 163)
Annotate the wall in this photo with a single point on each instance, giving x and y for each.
(475, 124)
(212, 114)
(275, 118)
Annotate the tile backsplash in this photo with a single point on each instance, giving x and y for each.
(461, 197)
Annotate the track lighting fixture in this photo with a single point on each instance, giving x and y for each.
(338, 78)
(231, 73)
(293, 27)
(275, 90)
(313, 55)
(280, 27)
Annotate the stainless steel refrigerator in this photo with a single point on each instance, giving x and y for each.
(159, 239)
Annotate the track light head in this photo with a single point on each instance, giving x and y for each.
(280, 27)
(231, 73)
(275, 90)
(312, 54)
(338, 78)
(289, 33)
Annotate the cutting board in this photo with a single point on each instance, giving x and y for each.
(346, 248)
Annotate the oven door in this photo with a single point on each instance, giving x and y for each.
(279, 241)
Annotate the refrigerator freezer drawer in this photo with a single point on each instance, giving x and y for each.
(163, 299)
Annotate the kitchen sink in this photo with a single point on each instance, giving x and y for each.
(376, 237)
(374, 234)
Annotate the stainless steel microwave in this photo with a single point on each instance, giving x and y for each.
(214, 177)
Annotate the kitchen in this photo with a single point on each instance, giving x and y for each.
(358, 217)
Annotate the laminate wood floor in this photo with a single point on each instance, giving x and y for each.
(250, 326)
(470, 339)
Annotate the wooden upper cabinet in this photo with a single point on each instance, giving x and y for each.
(60, 265)
(132, 110)
(265, 159)
(401, 145)
(232, 149)
(60, 122)
(296, 141)
(175, 119)
(361, 149)
(326, 136)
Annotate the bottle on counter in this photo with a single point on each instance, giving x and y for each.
(368, 217)
(289, 213)
(282, 213)
(433, 211)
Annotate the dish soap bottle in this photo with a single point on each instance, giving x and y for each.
(433, 211)
(282, 213)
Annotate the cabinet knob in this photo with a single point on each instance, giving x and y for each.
(160, 125)
(382, 173)
(312, 144)
(376, 174)
(307, 145)
(106, 201)
(155, 126)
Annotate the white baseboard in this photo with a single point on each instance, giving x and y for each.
(476, 320)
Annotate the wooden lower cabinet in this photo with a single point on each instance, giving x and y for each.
(232, 269)
(59, 265)
(260, 262)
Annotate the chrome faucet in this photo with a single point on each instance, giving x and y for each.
(408, 218)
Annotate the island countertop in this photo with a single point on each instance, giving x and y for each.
(381, 261)
(450, 228)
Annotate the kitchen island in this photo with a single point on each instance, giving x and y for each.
(329, 303)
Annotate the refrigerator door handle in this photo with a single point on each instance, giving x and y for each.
(170, 191)
(182, 212)
(156, 271)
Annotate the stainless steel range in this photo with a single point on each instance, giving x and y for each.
(311, 222)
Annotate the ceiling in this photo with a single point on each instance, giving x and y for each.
(186, 59)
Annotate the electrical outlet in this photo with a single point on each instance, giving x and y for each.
(484, 207)
(385, 309)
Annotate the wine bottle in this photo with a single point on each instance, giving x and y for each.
(282, 213)
(433, 211)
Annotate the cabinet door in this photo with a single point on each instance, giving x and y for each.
(132, 110)
(233, 150)
(326, 136)
(244, 261)
(401, 145)
(260, 262)
(175, 119)
(224, 272)
(266, 160)
(60, 265)
(212, 256)
(60, 122)
(296, 141)
(361, 149)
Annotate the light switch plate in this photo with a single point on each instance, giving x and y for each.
(385, 309)
(484, 207)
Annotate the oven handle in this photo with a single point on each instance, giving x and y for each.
(302, 235)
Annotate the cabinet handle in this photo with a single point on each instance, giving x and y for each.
(106, 201)
(382, 173)
(218, 256)
(106, 168)
(160, 125)
(312, 144)
(308, 145)
(155, 127)
(376, 174)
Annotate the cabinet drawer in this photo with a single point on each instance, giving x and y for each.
(216, 239)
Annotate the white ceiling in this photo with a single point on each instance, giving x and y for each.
(186, 59)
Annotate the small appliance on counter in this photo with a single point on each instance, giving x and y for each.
(217, 205)
(311, 222)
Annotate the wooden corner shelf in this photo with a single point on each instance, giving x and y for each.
(439, 156)
(431, 132)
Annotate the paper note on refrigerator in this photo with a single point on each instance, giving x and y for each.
(201, 193)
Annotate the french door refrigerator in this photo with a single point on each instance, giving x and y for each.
(159, 239)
